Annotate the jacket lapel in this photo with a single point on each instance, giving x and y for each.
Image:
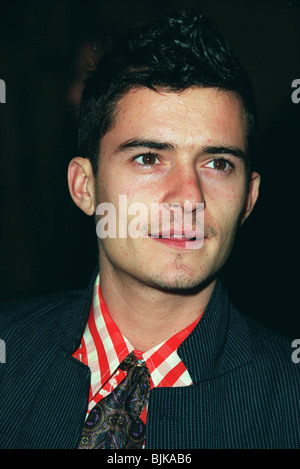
(219, 343)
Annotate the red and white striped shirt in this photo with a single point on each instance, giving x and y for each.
(103, 348)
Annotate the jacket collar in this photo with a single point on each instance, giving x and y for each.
(219, 343)
(74, 323)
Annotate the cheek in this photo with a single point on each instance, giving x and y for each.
(225, 209)
(231, 193)
(109, 188)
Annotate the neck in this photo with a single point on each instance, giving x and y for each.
(145, 315)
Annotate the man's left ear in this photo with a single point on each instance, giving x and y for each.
(251, 197)
(81, 183)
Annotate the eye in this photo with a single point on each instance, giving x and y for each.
(148, 159)
(220, 164)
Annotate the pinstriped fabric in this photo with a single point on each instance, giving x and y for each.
(238, 410)
(39, 371)
(245, 391)
(247, 395)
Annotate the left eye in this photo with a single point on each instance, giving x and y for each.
(219, 164)
(148, 159)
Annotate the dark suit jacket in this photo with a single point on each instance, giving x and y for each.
(245, 391)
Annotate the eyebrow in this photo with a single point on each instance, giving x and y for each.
(226, 150)
(152, 144)
(137, 143)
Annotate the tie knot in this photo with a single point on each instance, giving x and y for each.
(130, 361)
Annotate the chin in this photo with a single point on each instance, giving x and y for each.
(180, 284)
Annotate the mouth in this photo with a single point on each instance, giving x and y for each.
(177, 239)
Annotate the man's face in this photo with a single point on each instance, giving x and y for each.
(175, 148)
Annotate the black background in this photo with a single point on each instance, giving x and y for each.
(46, 243)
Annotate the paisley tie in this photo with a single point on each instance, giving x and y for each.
(115, 421)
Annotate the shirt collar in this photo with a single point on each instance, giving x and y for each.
(104, 347)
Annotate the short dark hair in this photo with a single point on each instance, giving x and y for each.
(180, 50)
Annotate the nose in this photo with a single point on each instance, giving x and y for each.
(184, 187)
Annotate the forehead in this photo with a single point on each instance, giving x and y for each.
(191, 117)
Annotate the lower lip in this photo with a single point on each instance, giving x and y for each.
(182, 243)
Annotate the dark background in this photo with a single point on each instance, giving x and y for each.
(46, 243)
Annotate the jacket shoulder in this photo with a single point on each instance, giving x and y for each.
(31, 312)
(261, 333)
(273, 353)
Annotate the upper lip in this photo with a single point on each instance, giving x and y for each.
(188, 234)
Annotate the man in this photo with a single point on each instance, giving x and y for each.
(152, 354)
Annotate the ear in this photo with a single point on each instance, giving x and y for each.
(251, 197)
(81, 183)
